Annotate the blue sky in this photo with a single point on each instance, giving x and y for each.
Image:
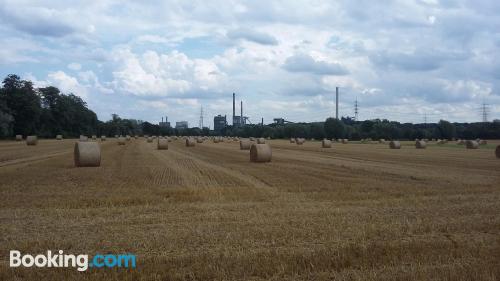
(402, 60)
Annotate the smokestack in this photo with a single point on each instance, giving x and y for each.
(234, 112)
(262, 122)
(337, 103)
(241, 116)
(162, 119)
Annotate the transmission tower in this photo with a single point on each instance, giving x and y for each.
(356, 109)
(484, 112)
(201, 118)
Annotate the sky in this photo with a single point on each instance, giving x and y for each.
(409, 61)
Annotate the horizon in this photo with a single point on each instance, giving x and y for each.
(421, 60)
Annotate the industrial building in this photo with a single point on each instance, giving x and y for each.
(181, 125)
(220, 122)
(165, 124)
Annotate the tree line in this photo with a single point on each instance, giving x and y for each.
(47, 112)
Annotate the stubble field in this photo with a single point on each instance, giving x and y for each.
(352, 212)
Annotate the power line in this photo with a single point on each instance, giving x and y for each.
(201, 118)
(485, 111)
(356, 110)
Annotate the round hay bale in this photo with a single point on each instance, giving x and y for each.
(460, 142)
(190, 142)
(31, 140)
(382, 141)
(345, 141)
(216, 140)
(252, 139)
(117, 136)
(441, 142)
(103, 138)
(326, 143)
(83, 138)
(395, 145)
(149, 139)
(470, 144)
(300, 141)
(162, 144)
(59, 137)
(127, 137)
(19, 137)
(94, 137)
(87, 154)
(261, 140)
(260, 153)
(497, 151)
(199, 140)
(483, 142)
(292, 140)
(121, 141)
(421, 144)
(245, 144)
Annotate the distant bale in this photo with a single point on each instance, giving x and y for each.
(245, 144)
(260, 153)
(162, 144)
(127, 137)
(470, 144)
(117, 136)
(441, 141)
(31, 140)
(190, 142)
(483, 142)
(103, 138)
(94, 137)
(261, 140)
(87, 154)
(216, 140)
(326, 143)
(199, 140)
(292, 140)
(395, 145)
(19, 137)
(382, 141)
(497, 151)
(252, 139)
(420, 144)
(300, 141)
(149, 139)
(59, 137)
(460, 142)
(83, 138)
(345, 141)
(121, 141)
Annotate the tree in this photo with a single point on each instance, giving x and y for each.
(334, 128)
(446, 129)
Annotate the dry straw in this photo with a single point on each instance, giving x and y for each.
(395, 145)
(470, 144)
(420, 144)
(326, 143)
(59, 137)
(260, 153)
(245, 144)
(19, 137)
(190, 142)
(87, 154)
(162, 144)
(31, 140)
(261, 140)
(121, 141)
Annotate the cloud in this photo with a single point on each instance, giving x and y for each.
(74, 66)
(67, 83)
(252, 36)
(417, 60)
(306, 63)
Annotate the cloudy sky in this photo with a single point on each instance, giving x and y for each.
(402, 60)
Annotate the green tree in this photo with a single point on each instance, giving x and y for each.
(334, 128)
(446, 129)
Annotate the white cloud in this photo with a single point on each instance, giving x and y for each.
(74, 66)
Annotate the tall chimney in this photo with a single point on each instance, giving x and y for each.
(162, 119)
(241, 116)
(337, 103)
(234, 112)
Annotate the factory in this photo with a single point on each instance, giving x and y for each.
(220, 121)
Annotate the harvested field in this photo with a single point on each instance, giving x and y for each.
(350, 212)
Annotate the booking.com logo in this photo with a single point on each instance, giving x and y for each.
(81, 262)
